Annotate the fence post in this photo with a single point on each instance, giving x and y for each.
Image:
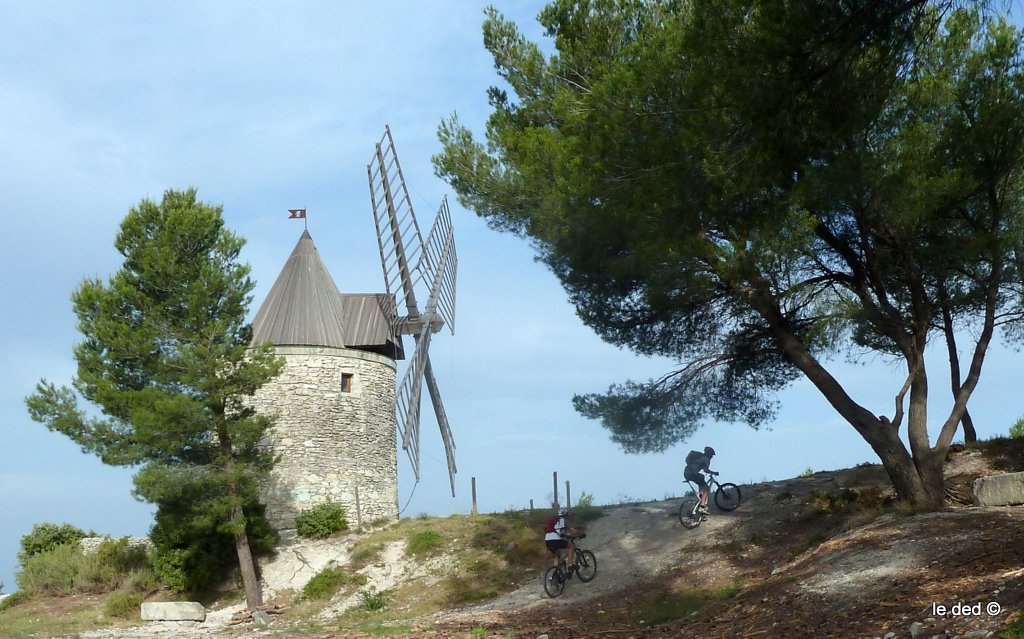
(555, 476)
(568, 499)
(359, 514)
(472, 482)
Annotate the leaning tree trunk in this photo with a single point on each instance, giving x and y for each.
(246, 563)
(250, 581)
(916, 477)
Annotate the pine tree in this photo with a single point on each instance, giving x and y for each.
(166, 358)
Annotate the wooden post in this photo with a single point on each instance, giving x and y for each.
(568, 499)
(554, 474)
(359, 514)
(472, 483)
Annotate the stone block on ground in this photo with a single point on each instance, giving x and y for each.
(999, 490)
(173, 611)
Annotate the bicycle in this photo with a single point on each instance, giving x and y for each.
(556, 576)
(727, 498)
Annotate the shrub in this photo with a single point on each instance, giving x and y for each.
(329, 581)
(186, 570)
(425, 542)
(14, 599)
(1017, 430)
(585, 511)
(65, 569)
(52, 572)
(374, 600)
(321, 521)
(122, 604)
(113, 566)
(46, 537)
(832, 502)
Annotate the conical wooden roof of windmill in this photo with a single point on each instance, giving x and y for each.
(304, 307)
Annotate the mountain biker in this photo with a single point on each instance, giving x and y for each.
(556, 531)
(697, 462)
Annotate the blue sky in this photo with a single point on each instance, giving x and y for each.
(276, 105)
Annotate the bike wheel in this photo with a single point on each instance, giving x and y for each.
(688, 515)
(727, 497)
(554, 581)
(586, 565)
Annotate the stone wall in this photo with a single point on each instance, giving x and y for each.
(331, 443)
(90, 545)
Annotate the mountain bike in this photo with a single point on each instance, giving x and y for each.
(556, 576)
(727, 497)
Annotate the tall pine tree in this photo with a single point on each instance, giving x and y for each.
(166, 358)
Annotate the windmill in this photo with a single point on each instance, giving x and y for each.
(410, 263)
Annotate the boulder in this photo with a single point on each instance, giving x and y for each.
(999, 490)
(173, 611)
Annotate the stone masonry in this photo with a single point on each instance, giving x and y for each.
(331, 443)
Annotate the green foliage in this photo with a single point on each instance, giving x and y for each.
(330, 580)
(585, 511)
(65, 570)
(716, 183)
(808, 472)
(323, 520)
(52, 572)
(677, 604)
(424, 542)
(1017, 429)
(1015, 630)
(45, 537)
(122, 604)
(831, 502)
(166, 357)
(384, 630)
(376, 600)
(14, 599)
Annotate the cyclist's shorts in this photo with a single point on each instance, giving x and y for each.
(554, 545)
(696, 478)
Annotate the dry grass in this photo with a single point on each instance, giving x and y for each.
(49, 616)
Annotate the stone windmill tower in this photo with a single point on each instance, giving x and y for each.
(338, 407)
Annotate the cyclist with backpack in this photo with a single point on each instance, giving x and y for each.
(696, 463)
(556, 530)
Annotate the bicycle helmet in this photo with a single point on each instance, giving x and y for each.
(563, 513)
(709, 451)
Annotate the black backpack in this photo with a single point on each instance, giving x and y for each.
(692, 456)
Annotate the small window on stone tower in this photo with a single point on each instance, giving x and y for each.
(346, 382)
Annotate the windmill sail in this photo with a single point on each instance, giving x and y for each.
(407, 262)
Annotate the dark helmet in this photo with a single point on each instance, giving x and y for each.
(709, 451)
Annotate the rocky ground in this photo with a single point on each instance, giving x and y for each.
(773, 568)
